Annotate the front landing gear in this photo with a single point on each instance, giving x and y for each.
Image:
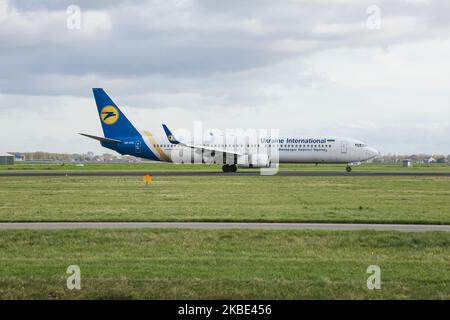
(348, 169)
(229, 168)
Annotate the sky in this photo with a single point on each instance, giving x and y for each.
(378, 71)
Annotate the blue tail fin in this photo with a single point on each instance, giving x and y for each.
(114, 123)
(170, 136)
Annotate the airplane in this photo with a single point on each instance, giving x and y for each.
(121, 136)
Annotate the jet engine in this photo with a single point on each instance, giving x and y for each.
(259, 160)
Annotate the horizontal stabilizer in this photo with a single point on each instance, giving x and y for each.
(102, 139)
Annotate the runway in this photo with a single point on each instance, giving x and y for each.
(221, 225)
(217, 173)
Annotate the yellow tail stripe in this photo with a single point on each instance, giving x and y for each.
(161, 152)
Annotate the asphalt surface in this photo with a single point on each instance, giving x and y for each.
(217, 173)
(221, 225)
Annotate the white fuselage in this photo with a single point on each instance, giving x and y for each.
(279, 150)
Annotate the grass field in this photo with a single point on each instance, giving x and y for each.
(289, 199)
(225, 264)
(196, 167)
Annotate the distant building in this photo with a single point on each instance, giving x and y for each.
(431, 160)
(441, 160)
(19, 157)
(6, 159)
(407, 163)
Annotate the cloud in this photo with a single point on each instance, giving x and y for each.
(186, 38)
(302, 66)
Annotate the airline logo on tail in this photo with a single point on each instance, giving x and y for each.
(109, 115)
(169, 135)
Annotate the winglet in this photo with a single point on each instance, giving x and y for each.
(170, 136)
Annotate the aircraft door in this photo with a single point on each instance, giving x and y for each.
(138, 146)
(344, 147)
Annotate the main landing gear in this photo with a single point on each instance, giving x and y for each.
(349, 169)
(229, 168)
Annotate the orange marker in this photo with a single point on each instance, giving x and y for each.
(148, 178)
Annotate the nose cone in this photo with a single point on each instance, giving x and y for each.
(373, 152)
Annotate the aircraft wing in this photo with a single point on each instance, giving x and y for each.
(173, 140)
